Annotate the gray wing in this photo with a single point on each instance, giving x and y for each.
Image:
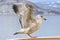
(21, 23)
(24, 26)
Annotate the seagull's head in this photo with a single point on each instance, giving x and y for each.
(40, 17)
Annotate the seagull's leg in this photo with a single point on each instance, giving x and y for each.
(18, 33)
(31, 36)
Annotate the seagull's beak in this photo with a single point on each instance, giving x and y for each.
(45, 19)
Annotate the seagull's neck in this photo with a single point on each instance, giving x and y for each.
(39, 21)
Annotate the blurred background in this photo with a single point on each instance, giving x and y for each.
(9, 22)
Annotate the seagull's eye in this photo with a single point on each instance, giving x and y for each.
(42, 16)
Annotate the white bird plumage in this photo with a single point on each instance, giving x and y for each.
(28, 23)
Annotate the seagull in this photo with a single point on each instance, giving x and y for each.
(28, 24)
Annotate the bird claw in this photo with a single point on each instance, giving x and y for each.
(32, 36)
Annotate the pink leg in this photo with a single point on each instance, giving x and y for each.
(31, 36)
